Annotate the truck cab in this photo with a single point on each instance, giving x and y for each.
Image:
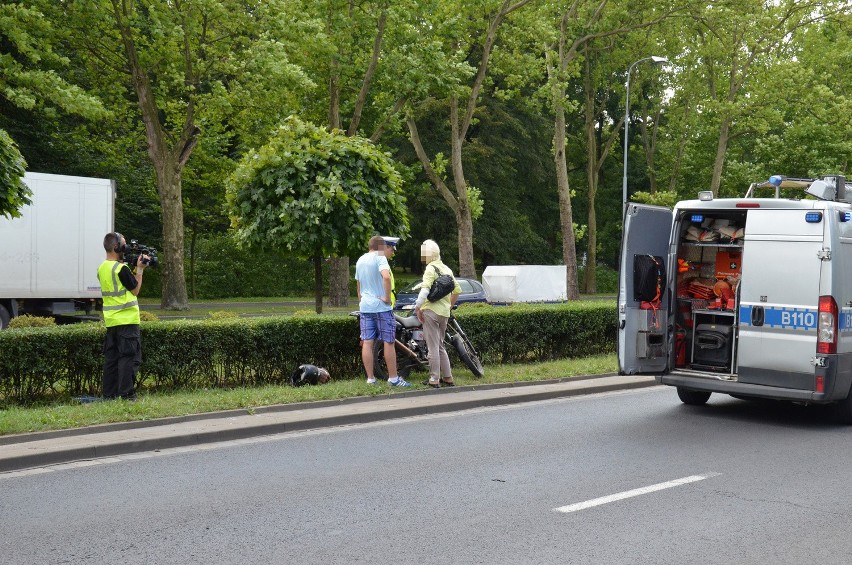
(742, 296)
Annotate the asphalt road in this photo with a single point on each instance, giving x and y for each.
(622, 477)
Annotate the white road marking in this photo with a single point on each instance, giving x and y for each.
(635, 492)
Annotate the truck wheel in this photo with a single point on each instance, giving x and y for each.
(4, 317)
(693, 397)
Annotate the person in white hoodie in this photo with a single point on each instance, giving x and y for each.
(435, 315)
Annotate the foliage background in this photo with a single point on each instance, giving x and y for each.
(791, 114)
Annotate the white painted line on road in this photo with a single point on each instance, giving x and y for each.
(635, 492)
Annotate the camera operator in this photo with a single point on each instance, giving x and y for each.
(123, 344)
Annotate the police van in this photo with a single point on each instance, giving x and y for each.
(750, 297)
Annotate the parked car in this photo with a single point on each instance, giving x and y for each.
(472, 291)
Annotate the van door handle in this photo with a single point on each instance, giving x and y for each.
(757, 315)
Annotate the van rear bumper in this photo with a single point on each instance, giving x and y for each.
(710, 384)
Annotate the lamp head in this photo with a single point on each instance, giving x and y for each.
(659, 60)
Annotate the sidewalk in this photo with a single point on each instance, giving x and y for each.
(22, 451)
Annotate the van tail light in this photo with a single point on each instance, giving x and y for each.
(820, 384)
(827, 325)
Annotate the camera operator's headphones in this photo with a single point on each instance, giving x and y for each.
(118, 247)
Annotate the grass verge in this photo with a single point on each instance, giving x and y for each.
(15, 420)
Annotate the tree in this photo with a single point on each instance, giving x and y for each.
(461, 37)
(364, 43)
(184, 63)
(13, 192)
(736, 42)
(29, 81)
(315, 194)
(569, 54)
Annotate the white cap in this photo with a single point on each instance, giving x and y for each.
(391, 240)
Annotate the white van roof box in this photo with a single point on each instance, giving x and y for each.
(828, 188)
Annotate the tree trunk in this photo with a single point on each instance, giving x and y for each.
(649, 142)
(174, 284)
(318, 284)
(464, 221)
(338, 275)
(681, 149)
(590, 279)
(338, 281)
(193, 238)
(721, 148)
(566, 217)
(169, 161)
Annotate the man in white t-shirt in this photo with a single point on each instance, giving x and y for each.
(372, 274)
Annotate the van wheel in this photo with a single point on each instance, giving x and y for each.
(842, 411)
(5, 317)
(693, 397)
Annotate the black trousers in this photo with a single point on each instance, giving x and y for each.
(122, 359)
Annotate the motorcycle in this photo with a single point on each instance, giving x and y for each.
(412, 353)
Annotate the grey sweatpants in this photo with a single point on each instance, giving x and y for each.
(434, 328)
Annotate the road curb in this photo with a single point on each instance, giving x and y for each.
(136, 424)
(123, 444)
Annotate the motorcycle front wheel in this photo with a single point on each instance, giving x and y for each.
(404, 364)
(468, 355)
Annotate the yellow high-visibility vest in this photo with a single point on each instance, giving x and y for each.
(120, 306)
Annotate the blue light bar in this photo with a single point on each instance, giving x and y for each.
(697, 218)
(813, 217)
(776, 180)
(845, 216)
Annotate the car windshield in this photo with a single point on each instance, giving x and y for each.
(412, 288)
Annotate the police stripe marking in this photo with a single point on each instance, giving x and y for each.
(635, 492)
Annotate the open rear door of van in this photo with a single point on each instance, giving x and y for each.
(643, 336)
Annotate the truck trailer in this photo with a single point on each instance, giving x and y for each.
(750, 297)
(49, 256)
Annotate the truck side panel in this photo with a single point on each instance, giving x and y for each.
(53, 250)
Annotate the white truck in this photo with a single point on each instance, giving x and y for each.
(507, 284)
(49, 256)
(749, 296)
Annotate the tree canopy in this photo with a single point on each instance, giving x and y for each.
(515, 108)
(315, 193)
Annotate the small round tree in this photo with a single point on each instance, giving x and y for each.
(315, 193)
(13, 192)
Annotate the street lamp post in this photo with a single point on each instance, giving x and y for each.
(657, 61)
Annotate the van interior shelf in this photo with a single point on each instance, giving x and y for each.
(711, 244)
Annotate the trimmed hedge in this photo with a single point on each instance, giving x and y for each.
(41, 363)
(526, 332)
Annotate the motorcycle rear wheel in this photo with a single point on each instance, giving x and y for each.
(404, 364)
(468, 355)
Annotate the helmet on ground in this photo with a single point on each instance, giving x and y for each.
(309, 375)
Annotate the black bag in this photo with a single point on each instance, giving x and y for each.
(441, 287)
(649, 278)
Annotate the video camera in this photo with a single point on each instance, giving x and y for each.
(135, 249)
